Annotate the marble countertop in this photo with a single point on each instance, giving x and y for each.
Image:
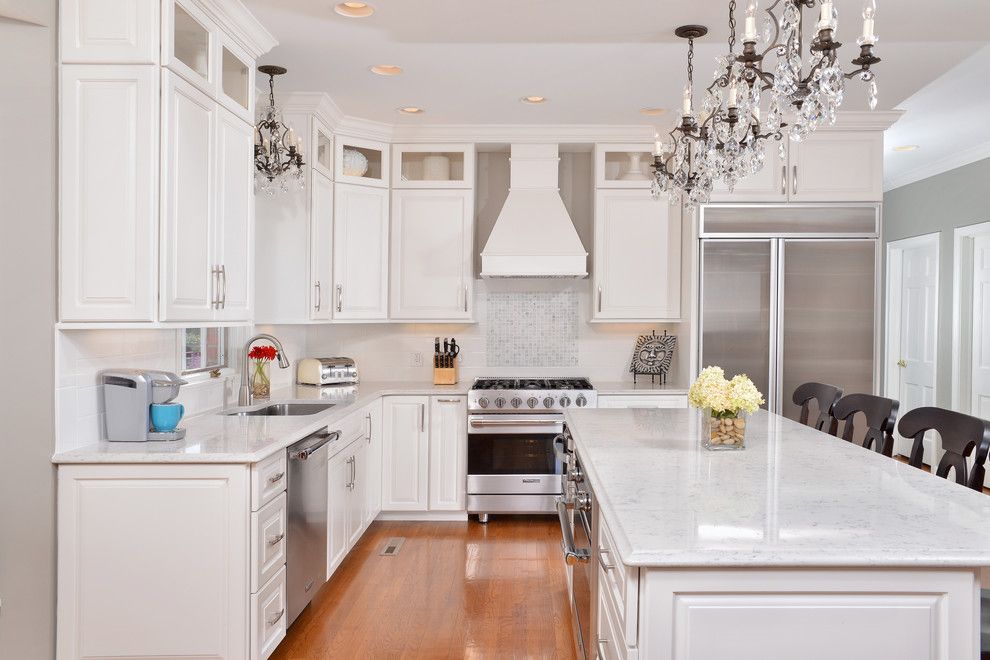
(793, 497)
(644, 386)
(216, 438)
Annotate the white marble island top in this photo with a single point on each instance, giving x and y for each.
(794, 497)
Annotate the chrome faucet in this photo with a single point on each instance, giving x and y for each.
(244, 394)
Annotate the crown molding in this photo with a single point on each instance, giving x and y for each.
(865, 120)
(314, 103)
(953, 161)
(241, 24)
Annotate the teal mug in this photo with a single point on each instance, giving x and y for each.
(166, 416)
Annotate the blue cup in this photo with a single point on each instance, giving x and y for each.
(166, 416)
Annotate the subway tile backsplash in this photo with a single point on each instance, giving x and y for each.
(532, 329)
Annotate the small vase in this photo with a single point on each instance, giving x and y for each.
(261, 383)
(723, 430)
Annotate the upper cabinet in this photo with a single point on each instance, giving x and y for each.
(234, 251)
(109, 31)
(363, 162)
(321, 149)
(236, 81)
(830, 165)
(189, 44)
(433, 166)
(623, 165)
(360, 253)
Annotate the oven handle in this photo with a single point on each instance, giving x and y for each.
(571, 554)
(560, 448)
(479, 423)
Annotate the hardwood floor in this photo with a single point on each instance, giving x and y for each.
(455, 590)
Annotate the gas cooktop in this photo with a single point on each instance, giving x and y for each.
(528, 395)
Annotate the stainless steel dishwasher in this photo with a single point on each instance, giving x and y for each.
(306, 549)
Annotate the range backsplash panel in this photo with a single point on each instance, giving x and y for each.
(537, 329)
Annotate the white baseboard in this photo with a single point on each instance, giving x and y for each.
(423, 516)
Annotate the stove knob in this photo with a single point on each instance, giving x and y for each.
(565, 401)
(500, 402)
(581, 401)
(483, 402)
(532, 401)
(516, 402)
(548, 402)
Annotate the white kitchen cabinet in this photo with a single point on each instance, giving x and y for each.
(236, 87)
(432, 247)
(767, 185)
(440, 166)
(145, 551)
(338, 508)
(321, 248)
(348, 491)
(321, 149)
(361, 162)
(190, 286)
(628, 165)
(373, 464)
(360, 253)
(234, 232)
(448, 453)
(190, 42)
(642, 401)
(108, 31)
(268, 624)
(108, 192)
(406, 453)
(637, 257)
(357, 510)
(837, 166)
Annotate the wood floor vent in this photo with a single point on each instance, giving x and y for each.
(392, 546)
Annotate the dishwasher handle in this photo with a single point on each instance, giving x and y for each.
(324, 437)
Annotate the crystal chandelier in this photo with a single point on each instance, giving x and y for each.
(278, 159)
(682, 170)
(814, 87)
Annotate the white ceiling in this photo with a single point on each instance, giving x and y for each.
(597, 61)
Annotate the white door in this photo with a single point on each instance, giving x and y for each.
(767, 185)
(912, 289)
(235, 217)
(321, 248)
(405, 453)
(432, 247)
(360, 252)
(338, 502)
(979, 404)
(190, 277)
(813, 176)
(108, 182)
(637, 269)
(448, 453)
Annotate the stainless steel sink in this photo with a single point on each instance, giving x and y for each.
(283, 410)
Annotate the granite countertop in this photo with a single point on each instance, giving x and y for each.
(216, 438)
(794, 497)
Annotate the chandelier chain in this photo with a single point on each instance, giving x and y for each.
(732, 26)
(690, 67)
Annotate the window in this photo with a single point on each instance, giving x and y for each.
(203, 349)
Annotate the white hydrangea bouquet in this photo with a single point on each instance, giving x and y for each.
(724, 404)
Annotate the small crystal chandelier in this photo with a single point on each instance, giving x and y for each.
(684, 173)
(817, 93)
(278, 158)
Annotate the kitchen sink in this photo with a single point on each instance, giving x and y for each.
(282, 410)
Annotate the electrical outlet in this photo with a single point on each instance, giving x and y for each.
(417, 359)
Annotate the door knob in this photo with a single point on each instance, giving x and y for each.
(902, 362)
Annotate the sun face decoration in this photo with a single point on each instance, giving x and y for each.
(653, 354)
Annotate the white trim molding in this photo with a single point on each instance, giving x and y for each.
(953, 161)
(241, 24)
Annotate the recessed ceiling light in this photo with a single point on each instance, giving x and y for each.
(386, 69)
(533, 100)
(354, 9)
(907, 147)
(652, 112)
(411, 110)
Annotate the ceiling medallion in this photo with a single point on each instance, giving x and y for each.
(278, 159)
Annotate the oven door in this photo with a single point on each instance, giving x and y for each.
(514, 454)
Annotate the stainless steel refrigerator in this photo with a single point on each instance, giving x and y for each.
(789, 294)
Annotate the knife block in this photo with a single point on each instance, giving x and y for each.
(445, 375)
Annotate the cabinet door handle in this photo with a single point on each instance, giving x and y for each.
(448, 400)
(319, 295)
(794, 183)
(783, 179)
(604, 564)
(353, 471)
(599, 299)
(276, 618)
(275, 540)
(215, 287)
(223, 289)
(422, 417)
(368, 417)
(465, 298)
(601, 644)
(340, 297)
(275, 478)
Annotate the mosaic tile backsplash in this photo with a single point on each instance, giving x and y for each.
(533, 329)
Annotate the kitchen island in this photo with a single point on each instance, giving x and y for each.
(800, 546)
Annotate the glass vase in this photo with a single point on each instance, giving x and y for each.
(723, 430)
(261, 383)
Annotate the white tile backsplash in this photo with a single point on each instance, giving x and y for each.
(532, 329)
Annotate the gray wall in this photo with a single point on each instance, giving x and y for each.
(27, 315)
(941, 203)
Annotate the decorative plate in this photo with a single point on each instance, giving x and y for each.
(355, 163)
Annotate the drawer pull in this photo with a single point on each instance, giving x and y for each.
(601, 560)
(277, 618)
(601, 644)
(275, 478)
(275, 540)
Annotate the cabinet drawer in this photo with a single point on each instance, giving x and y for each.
(618, 583)
(268, 617)
(609, 642)
(352, 427)
(267, 541)
(268, 479)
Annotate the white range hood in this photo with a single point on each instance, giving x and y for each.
(533, 235)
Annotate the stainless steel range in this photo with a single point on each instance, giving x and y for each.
(515, 450)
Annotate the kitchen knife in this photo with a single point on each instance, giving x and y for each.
(436, 352)
(446, 351)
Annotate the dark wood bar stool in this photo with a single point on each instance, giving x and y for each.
(825, 397)
(881, 416)
(961, 435)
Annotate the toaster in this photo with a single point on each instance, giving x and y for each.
(326, 371)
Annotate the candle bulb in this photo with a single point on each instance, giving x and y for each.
(825, 18)
(749, 35)
(658, 146)
(869, 13)
(686, 109)
(733, 94)
(756, 114)
(290, 138)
